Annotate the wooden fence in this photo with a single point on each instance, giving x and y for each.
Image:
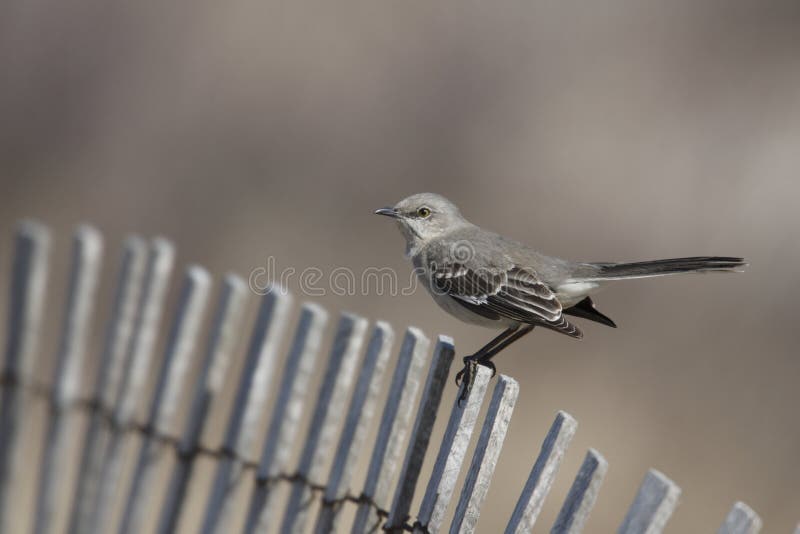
(341, 412)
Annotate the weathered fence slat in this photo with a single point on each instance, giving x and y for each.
(741, 520)
(359, 415)
(393, 427)
(221, 342)
(487, 451)
(286, 413)
(421, 434)
(542, 475)
(26, 299)
(175, 365)
(106, 389)
(325, 419)
(160, 263)
(250, 402)
(582, 495)
(451, 455)
(86, 259)
(655, 501)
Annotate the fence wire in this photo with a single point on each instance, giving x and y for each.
(44, 392)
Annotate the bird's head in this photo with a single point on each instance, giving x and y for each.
(423, 217)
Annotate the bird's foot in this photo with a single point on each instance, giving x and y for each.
(466, 376)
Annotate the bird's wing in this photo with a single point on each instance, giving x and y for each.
(503, 292)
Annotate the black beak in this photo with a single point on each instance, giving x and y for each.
(389, 212)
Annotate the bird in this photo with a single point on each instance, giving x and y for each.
(486, 279)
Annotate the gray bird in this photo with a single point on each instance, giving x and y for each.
(489, 280)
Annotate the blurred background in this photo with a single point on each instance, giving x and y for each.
(606, 131)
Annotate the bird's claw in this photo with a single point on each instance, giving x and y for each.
(469, 365)
(466, 376)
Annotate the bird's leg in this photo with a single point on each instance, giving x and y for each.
(484, 350)
(485, 359)
(482, 357)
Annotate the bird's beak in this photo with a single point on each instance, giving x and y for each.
(389, 212)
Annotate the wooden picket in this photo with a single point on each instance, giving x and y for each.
(101, 499)
(27, 292)
(86, 258)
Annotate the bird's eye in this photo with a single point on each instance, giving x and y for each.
(423, 212)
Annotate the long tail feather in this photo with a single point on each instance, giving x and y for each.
(644, 269)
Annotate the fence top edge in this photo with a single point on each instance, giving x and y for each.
(663, 479)
(162, 243)
(198, 274)
(509, 380)
(89, 235)
(597, 456)
(418, 334)
(567, 418)
(744, 508)
(234, 281)
(34, 230)
(385, 327)
(444, 339)
(314, 309)
(352, 317)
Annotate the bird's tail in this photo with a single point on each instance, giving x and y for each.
(646, 269)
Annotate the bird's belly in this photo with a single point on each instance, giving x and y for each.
(462, 313)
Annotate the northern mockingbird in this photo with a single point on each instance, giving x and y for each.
(486, 279)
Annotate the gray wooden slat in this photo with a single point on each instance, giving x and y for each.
(655, 501)
(26, 299)
(85, 270)
(420, 438)
(250, 402)
(451, 455)
(170, 379)
(393, 427)
(741, 520)
(223, 338)
(487, 451)
(582, 495)
(86, 259)
(115, 350)
(326, 418)
(159, 269)
(359, 415)
(286, 414)
(542, 475)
